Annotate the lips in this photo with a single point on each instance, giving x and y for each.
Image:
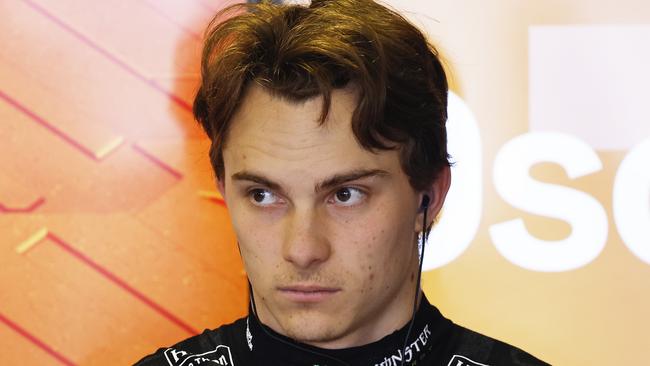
(307, 293)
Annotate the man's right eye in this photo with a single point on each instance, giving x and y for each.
(263, 197)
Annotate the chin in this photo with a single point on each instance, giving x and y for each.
(313, 328)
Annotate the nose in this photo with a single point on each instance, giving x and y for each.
(304, 245)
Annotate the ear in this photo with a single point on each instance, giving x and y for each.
(437, 193)
(221, 186)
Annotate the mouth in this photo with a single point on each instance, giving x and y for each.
(307, 293)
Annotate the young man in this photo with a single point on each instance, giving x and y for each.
(328, 137)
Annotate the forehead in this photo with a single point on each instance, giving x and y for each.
(282, 138)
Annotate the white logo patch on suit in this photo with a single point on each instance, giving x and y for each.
(458, 360)
(219, 356)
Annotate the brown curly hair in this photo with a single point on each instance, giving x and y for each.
(299, 52)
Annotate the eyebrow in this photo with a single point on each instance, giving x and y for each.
(328, 183)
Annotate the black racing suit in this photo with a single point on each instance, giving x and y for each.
(434, 340)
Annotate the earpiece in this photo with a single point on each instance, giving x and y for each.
(424, 207)
(425, 203)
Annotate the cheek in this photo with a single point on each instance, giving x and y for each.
(252, 228)
(386, 254)
(381, 259)
(257, 242)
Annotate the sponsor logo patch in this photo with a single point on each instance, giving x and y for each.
(458, 360)
(412, 351)
(249, 336)
(219, 356)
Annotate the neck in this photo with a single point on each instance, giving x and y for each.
(374, 329)
(276, 348)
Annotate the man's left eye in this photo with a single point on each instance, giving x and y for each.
(348, 196)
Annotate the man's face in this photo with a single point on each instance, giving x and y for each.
(327, 230)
